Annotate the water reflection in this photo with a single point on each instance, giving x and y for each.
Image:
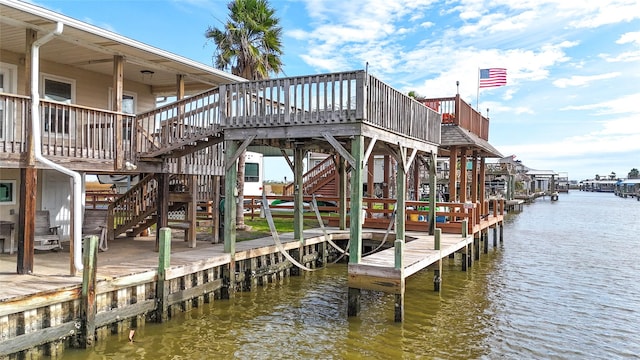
(561, 286)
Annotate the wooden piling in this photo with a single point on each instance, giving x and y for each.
(437, 273)
(353, 302)
(162, 285)
(88, 310)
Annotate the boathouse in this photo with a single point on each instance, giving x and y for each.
(78, 101)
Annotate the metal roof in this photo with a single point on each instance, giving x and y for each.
(88, 47)
(454, 135)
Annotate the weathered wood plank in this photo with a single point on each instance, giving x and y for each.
(40, 337)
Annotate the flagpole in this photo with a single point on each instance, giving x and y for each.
(478, 92)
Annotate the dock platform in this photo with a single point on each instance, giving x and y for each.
(378, 271)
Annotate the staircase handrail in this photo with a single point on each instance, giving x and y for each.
(132, 206)
(312, 176)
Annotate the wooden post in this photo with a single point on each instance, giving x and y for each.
(486, 241)
(163, 205)
(453, 174)
(28, 179)
(501, 233)
(353, 304)
(476, 245)
(342, 170)
(416, 180)
(162, 286)
(26, 219)
(463, 176)
(437, 273)
(88, 312)
(298, 195)
(475, 182)
(355, 247)
(230, 196)
(432, 192)
(437, 277)
(386, 175)
(118, 92)
(399, 304)
(401, 196)
(192, 211)
(215, 210)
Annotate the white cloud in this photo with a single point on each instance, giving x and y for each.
(577, 80)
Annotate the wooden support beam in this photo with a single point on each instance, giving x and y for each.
(237, 153)
(342, 192)
(357, 154)
(163, 285)
(433, 184)
(230, 193)
(163, 205)
(476, 183)
(286, 157)
(353, 302)
(26, 219)
(117, 93)
(215, 211)
(192, 210)
(298, 194)
(367, 153)
(463, 176)
(341, 150)
(453, 174)
(401, 198)
(88, 303)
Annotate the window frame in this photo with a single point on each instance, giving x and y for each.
(13, 194)
(70, 123)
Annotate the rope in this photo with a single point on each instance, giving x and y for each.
(314, 204)
(391, 224)
(276, 238)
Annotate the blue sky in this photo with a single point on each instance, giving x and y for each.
(572, 100)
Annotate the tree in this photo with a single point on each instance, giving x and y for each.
(249, 45)
(633, 174)
(597, 177)
(612, 176)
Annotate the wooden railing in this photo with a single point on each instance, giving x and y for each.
(337, 98)
(456, 111)
(449, 216)
(70, 131)
(177, 123)
(133, 207)
(313, 176)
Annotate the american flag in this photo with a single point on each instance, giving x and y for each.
(493, 77)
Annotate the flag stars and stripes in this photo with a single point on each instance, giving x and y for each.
(493, 77)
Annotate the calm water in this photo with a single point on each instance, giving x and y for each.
(564, 285)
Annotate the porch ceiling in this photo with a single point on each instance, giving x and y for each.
(88, 47)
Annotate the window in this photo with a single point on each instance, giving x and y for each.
(56, 117)
(8, 84)
(7, 192)
(2, 107)
(252, 172)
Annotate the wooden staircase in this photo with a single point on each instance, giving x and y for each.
(322, 179)
(136, 210)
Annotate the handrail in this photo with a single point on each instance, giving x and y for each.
(313, 176)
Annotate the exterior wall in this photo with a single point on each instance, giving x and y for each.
(92, 89)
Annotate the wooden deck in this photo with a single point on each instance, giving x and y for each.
(136, 257)
(377, 271)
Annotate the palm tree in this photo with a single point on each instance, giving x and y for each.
(248, 45)
(612, 176)
(633, 174)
